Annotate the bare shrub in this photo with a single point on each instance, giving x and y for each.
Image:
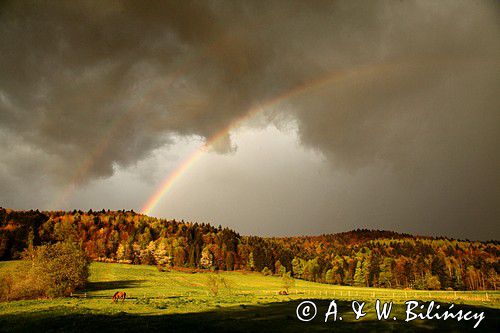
(287, 282)
(216, 283)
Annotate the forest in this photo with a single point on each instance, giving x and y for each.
(370, 258)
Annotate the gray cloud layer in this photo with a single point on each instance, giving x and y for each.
(108, 82)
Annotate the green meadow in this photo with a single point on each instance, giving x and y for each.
(245, 301)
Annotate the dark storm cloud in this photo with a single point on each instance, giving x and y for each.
(109, 81)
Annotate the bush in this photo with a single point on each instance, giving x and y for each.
(6, 286)
(215, 283)
(287, 281)
(58, 269)
(432, 282)
(48, 271)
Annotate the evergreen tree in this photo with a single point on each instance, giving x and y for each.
(359, 279)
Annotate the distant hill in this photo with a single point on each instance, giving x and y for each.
(359, 257)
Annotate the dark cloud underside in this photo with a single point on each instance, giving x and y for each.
(104, 83)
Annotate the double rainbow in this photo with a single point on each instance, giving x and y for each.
(327, 79)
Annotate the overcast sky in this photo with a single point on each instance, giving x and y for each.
(374, 114)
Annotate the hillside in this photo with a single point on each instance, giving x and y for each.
(177, 301)
(370, 258)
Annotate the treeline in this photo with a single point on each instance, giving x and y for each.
(360, 258)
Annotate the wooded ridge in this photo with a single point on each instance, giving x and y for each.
(370, 258)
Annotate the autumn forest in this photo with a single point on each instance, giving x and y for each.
(369, 258)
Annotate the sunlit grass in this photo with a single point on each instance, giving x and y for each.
(150, 291)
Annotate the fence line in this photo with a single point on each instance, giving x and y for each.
(485, 296)
(403, 294)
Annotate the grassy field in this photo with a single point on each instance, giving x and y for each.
(180, 301)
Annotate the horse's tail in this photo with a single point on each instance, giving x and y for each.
(124, 295)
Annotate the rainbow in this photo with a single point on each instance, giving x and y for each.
(161, 84)
(158, 86)
(329, 78)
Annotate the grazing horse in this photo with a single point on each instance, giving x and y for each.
(118, 295)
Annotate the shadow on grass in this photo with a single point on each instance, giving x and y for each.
(113, 285)
(274, 317)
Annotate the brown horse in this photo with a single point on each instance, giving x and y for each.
(118, 295)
